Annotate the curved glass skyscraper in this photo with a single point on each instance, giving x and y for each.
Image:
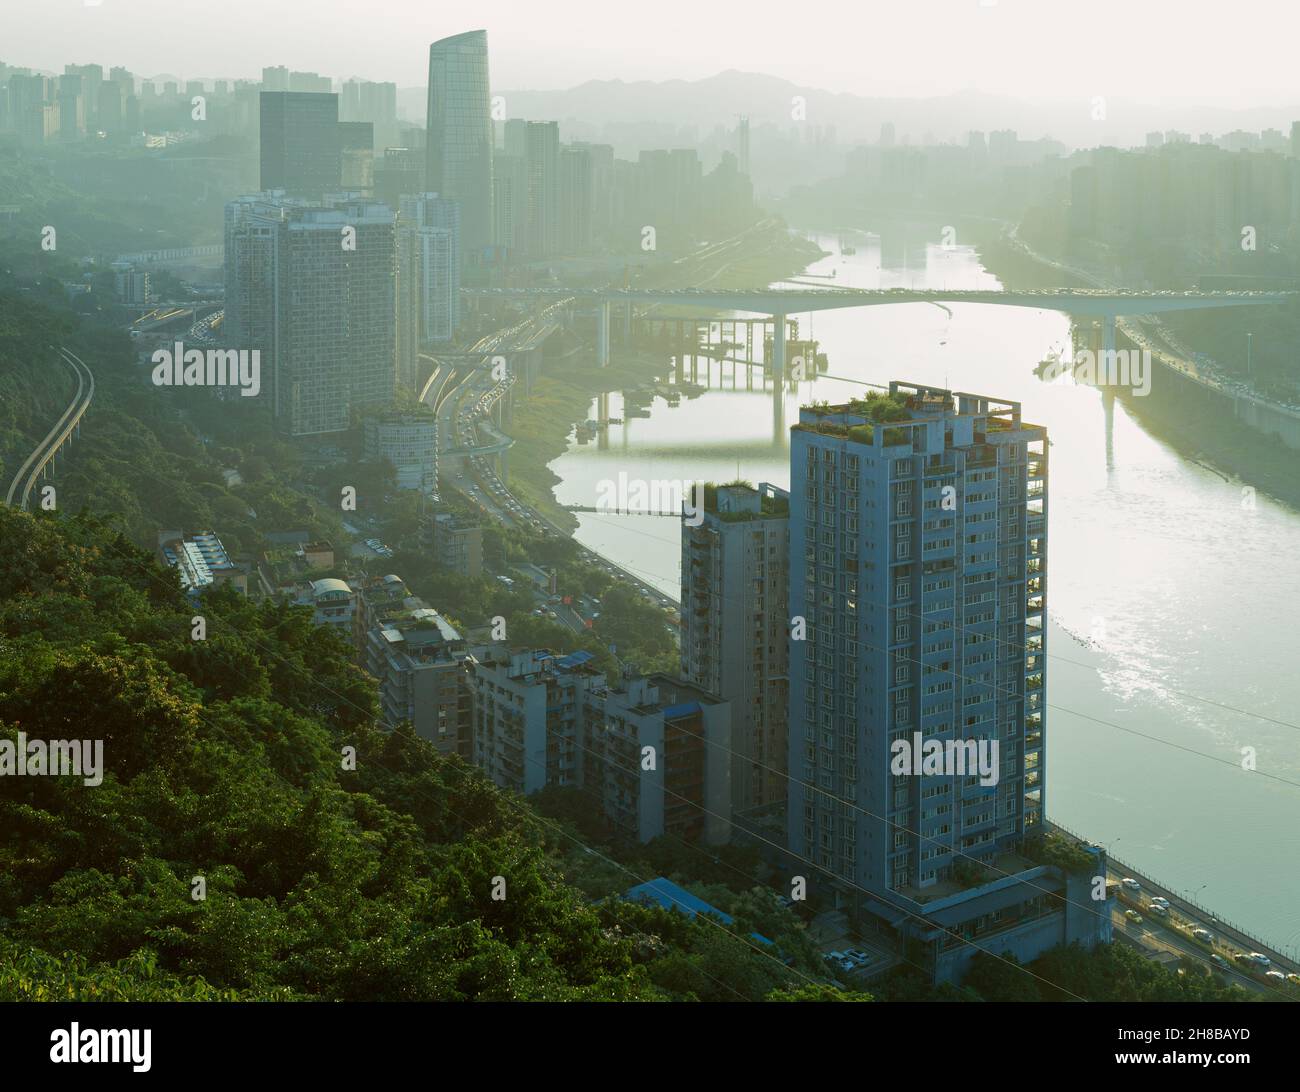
(460, 134)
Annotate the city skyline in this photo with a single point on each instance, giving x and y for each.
(1006, 45)
(592, 542)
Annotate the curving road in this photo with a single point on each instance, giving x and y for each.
(20, 489)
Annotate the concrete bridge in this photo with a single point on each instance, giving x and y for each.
(39, 462)
(1108, 305)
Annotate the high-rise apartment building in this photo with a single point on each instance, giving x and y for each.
(429, 229)
(735, 628)
(576, 197)
(918, 545)
(314, 289)
(460, 135)
(362, 100)
(543, 166)
(299, 142)
(510, 202)
(91, 78)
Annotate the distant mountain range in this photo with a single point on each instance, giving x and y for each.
(591, 108)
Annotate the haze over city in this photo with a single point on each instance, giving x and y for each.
(669, 504)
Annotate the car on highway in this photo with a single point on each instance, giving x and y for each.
(1130, 884)
(1160, 900)
(1133, 916)
(1203, 935)
(1220, 962)
(1158, 910)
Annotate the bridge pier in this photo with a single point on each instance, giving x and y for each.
(1108, 337)
(602, 334)
(778, 349)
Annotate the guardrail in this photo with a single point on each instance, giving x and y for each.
(44, 452)
(1244, 937)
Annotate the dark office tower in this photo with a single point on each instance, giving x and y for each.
(357, 156)
(300, 143)
(460, 135)
(401, 170)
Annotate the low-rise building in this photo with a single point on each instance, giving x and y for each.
(652, 752)
(200, 560)
(333, 603)
(409, 441)
(419, 660)
(457, 544)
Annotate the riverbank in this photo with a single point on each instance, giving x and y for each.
(1201, 427)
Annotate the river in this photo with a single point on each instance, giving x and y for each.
(1172, 607)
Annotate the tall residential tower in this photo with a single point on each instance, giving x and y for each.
(918, 545)
(735, 624)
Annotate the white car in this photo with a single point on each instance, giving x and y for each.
(1160, 900)
(1130, 884)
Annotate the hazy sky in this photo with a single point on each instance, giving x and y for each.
(1236, 53)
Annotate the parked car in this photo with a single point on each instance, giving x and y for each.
(858, 956)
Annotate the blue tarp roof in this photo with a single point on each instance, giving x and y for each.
(575, 659)
(671, 897)
(672, 712)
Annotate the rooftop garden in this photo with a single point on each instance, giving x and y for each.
(1056, 849)
(769, 506)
